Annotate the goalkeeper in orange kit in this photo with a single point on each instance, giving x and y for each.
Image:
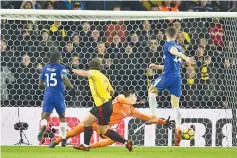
(122, 108)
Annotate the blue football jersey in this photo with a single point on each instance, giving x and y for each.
(172, 63)
(52, 76)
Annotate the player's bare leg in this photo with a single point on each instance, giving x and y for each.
(153, 92)
(63, 129)
(175, 106)
(43, 124)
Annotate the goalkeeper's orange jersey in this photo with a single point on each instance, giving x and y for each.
(123, 108)
(100, 87)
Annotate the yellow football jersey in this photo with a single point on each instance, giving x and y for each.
(100, 87)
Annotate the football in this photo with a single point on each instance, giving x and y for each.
(188, 134)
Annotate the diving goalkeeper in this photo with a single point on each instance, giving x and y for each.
(122, 108)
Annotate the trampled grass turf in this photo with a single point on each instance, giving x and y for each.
(117, 152)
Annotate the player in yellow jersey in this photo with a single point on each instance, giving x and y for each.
(102, 93)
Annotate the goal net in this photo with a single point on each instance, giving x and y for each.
(128, 42)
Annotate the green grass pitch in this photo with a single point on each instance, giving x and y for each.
(117, 152)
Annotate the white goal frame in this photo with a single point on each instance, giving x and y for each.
(86, 15)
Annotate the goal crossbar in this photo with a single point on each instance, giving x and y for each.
(87, 15)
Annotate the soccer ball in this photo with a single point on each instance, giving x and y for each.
(188, 134)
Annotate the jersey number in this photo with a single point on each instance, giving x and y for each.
(51, 80)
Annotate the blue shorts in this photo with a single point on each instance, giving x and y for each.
(173, 84)
(50, 103)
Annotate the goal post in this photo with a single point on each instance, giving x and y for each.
(85, 15)
(128, 41)
(231, 75)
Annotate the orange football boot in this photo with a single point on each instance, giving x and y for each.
(81, 147)
(129, 145)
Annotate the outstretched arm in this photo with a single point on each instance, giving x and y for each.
(168, 123)
(82, 73)
(137, 114)
(156, 67)
(174, 51)
(150, 118)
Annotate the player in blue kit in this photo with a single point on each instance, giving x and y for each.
(170, 78)
(52, 79)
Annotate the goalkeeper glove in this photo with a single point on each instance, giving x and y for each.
(168, 123)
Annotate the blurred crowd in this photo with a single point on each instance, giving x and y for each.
(169, 5)
(126, 47)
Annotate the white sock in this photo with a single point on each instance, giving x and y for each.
(177, 117)
(152, 102)
(86, 145)
(43, 122)
(63, 128)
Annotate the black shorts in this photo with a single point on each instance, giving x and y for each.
(103, 112)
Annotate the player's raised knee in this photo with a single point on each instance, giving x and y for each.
(103, 129)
